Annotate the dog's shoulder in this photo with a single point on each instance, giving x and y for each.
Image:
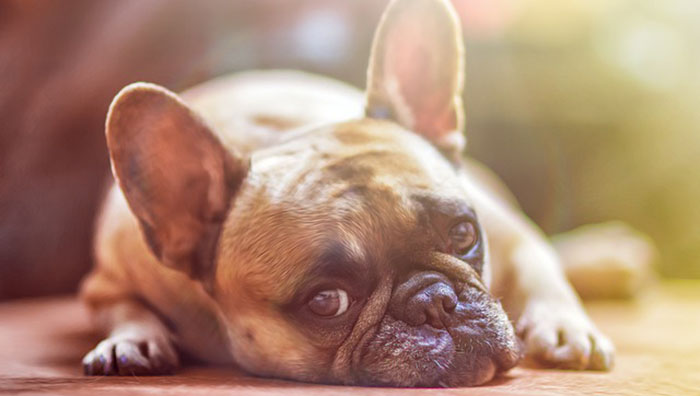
(489, 182)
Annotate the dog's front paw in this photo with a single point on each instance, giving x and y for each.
(120, 355)
(562, 336)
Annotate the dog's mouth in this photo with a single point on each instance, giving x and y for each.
(476, 343)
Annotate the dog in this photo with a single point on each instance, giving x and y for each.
(300, 229)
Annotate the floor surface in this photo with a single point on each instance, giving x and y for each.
(658, 340)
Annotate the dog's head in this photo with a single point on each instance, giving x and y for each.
(348, 253)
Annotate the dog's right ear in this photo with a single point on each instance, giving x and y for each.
(176, 176)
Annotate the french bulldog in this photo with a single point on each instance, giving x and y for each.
(300, 229)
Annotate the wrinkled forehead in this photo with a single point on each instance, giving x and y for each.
(361, 188)
(356, 156)
(366, 177)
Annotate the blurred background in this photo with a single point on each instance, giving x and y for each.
(588, 109)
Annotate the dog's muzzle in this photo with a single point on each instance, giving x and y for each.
(438, 332)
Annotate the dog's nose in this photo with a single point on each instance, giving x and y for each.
(425, 297)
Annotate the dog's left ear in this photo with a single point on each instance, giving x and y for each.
(415, 74)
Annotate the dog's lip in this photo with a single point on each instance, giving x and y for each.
(434, 342)
(361, 347)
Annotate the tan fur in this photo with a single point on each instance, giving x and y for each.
(318, 171)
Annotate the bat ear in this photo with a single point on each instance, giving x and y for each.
(415, 74)
(176, 176)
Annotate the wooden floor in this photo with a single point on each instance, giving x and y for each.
(658, 341)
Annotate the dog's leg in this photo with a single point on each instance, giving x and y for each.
(552, 321)
(138, 343)
(606, 260)
(528, 276)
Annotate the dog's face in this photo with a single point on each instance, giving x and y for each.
(352, 254)
(347, 253)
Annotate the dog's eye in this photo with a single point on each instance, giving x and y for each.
(330, 303)
(462, 238)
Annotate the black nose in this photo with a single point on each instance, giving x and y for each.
(425, 297)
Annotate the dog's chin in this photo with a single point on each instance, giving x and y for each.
(477, 343)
